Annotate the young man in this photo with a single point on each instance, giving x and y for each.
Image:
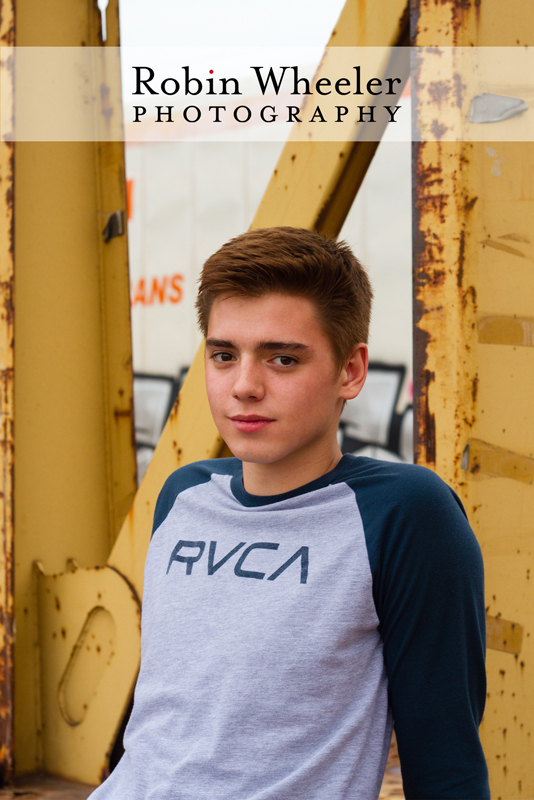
(297, 602)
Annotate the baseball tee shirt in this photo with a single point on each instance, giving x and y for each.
(282, 635)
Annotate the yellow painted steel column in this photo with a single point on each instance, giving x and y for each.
(7, 23)
(474, 360)
(75, 456)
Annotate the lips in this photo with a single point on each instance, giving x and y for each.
(249, 423)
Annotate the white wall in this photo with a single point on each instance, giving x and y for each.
(378, 228)
(188, 198)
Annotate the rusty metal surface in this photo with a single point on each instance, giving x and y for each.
(445, 376)
(473, 366)
(7, 35)
(75, 464)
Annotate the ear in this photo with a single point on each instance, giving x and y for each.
(354, 372)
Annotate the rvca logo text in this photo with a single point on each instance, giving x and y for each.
(190, 552)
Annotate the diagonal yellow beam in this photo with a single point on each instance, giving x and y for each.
(74, 437)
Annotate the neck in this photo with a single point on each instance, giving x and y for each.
(288, 474)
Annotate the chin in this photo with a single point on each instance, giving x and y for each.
(253, 452)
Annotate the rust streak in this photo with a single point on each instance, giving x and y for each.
(459, 11)
(175, 409)
(429, 419)
(474, 389)
(469, 205)
(7, 173)
(461, 260)
(427, 249)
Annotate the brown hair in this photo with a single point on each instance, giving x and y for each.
(293, 261)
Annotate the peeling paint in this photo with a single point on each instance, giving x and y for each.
(439, 91)
(502, 634)
(431, 204)
(438, 129)
(496, 170)
(459, 11)
(484, 460)
(502, 329)
(458, 89)
(504, 247)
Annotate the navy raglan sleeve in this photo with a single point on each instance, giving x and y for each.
(428, 587)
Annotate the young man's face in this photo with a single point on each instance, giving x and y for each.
(273, 387)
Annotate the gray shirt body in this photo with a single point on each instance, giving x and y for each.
(262, 673)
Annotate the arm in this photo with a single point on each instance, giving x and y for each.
(429, 594)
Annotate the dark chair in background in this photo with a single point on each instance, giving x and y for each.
(154, 397)
(370, 424)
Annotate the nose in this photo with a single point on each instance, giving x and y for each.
(248, 383)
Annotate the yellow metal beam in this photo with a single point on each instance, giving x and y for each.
(75, 450)
(474, 382)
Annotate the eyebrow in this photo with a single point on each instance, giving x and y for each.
(293, 347)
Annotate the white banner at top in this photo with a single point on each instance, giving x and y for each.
(150, 94)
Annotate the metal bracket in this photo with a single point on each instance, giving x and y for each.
(114, 226)
(89, 642)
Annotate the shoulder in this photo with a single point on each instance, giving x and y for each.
(187, 477)
(397, 486)
(409, 514)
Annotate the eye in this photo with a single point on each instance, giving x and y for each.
(222, 357)
(284, 361)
